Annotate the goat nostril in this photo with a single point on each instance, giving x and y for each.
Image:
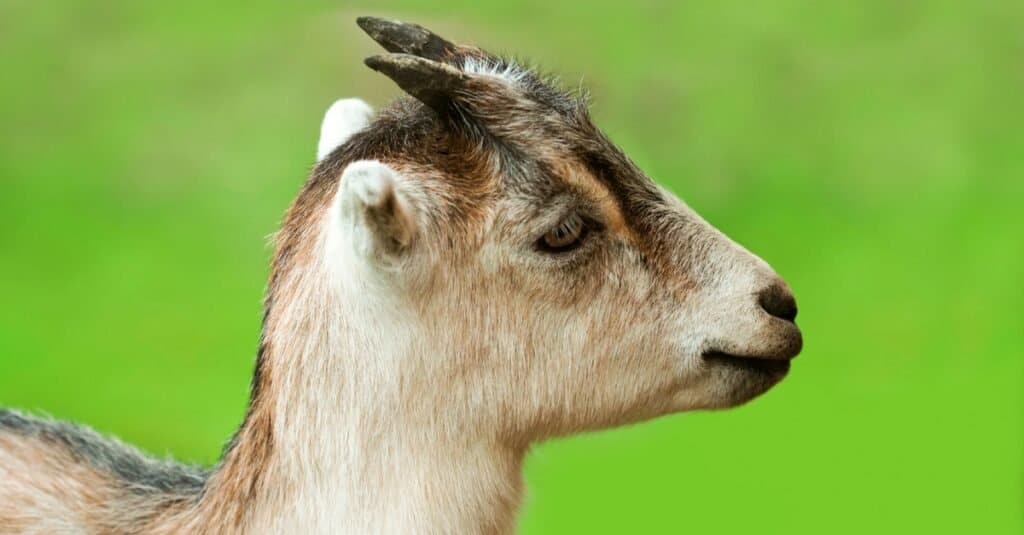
(778, 301)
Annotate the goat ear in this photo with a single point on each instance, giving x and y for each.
(407, 38)
(372, 200)
(344, 118)
(431, 82)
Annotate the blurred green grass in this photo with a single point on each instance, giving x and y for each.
(873, 152)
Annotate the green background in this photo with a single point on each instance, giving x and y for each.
(872, 151)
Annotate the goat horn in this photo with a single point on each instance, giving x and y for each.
(431, 82)
(406, 38)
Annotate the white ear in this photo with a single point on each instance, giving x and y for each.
(344, 118)
(381, 215)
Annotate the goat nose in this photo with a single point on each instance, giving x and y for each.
(778, 301)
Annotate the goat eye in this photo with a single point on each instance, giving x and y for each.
(566, 236)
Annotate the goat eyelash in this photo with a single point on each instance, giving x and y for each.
(567, 236)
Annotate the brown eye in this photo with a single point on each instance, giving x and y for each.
(566, 236)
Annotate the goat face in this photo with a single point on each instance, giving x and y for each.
(547, 285)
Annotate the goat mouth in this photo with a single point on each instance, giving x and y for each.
(749, 363)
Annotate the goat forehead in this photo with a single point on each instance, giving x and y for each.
(569, 150)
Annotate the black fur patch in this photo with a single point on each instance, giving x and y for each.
(137, 472)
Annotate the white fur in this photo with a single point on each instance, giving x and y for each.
(344, 118)
(511, 72)
(368, 182)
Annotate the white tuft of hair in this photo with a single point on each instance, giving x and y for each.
(510, 72)
(344, 118)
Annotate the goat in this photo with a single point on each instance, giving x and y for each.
(468, 272)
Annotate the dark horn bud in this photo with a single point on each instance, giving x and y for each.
(431, 82)
(406, 38)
